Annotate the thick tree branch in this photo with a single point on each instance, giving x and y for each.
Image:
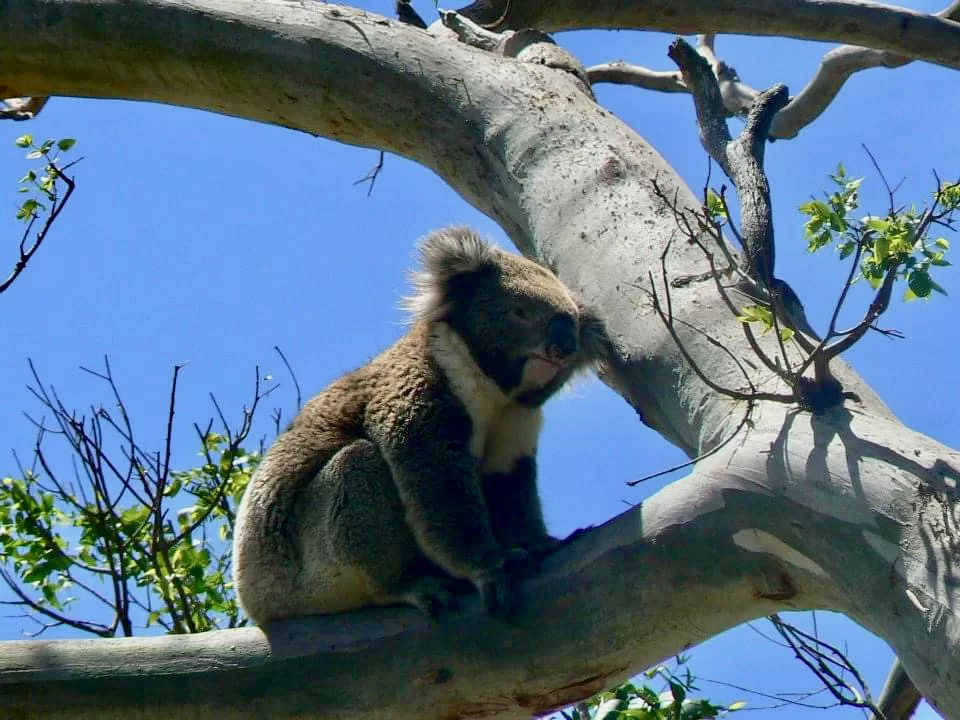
(874, 25)
(729, 543)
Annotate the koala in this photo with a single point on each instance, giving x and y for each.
(418, 470)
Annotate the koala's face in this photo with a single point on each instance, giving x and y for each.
(521, 324)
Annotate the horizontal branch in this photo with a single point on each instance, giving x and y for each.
(883, 27)
(622, 73)
(394, 663)
(744, 536)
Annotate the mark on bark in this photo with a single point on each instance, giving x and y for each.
(469, 710)
(779, 589)
(915, 601)
(684, 280)
(568, 694)
(435, 677)
(611, 172)
(754, 540)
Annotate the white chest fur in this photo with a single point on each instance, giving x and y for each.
(503, 430)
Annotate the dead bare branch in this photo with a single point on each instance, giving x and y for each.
(829, 664)
(623, 73)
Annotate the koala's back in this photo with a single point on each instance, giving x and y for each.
(349, 515)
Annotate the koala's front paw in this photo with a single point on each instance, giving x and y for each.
(543, 547)
(430, 595)
(494, 592)
(491, 583)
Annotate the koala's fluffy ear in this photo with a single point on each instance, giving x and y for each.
(444, 255)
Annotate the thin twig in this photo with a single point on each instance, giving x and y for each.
(293, 375)
(56, 207)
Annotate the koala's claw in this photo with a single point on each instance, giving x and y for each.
(431, 595)
(495, 595)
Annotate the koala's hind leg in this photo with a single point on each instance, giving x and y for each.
(368, 540)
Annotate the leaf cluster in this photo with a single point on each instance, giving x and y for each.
(59, 544)
(42, 183)
(49, 189)
(630, 701)
(127, 534)
(896, 243)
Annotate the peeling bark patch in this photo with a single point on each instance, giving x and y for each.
(889, 551)
(753, 540)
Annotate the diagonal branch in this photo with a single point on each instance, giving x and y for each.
(836, 67)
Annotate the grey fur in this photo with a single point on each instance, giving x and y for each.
(418, 469)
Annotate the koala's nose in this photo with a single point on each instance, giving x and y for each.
(562, 335)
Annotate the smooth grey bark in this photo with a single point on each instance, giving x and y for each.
(849, 511)
(870, 24)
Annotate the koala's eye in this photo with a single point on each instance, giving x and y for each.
(519, 313)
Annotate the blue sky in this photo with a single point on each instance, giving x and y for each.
(209, 240)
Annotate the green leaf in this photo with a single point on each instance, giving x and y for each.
(678, 690)
(875, 223)
(837, 223)
(24, 141)
(34, 154)
(66, 144)
(786, 334)
(739, 705)
(28, 209)
(920, 284)
(881, 249)
(846, 249)
(816, 208)
(715, 205)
